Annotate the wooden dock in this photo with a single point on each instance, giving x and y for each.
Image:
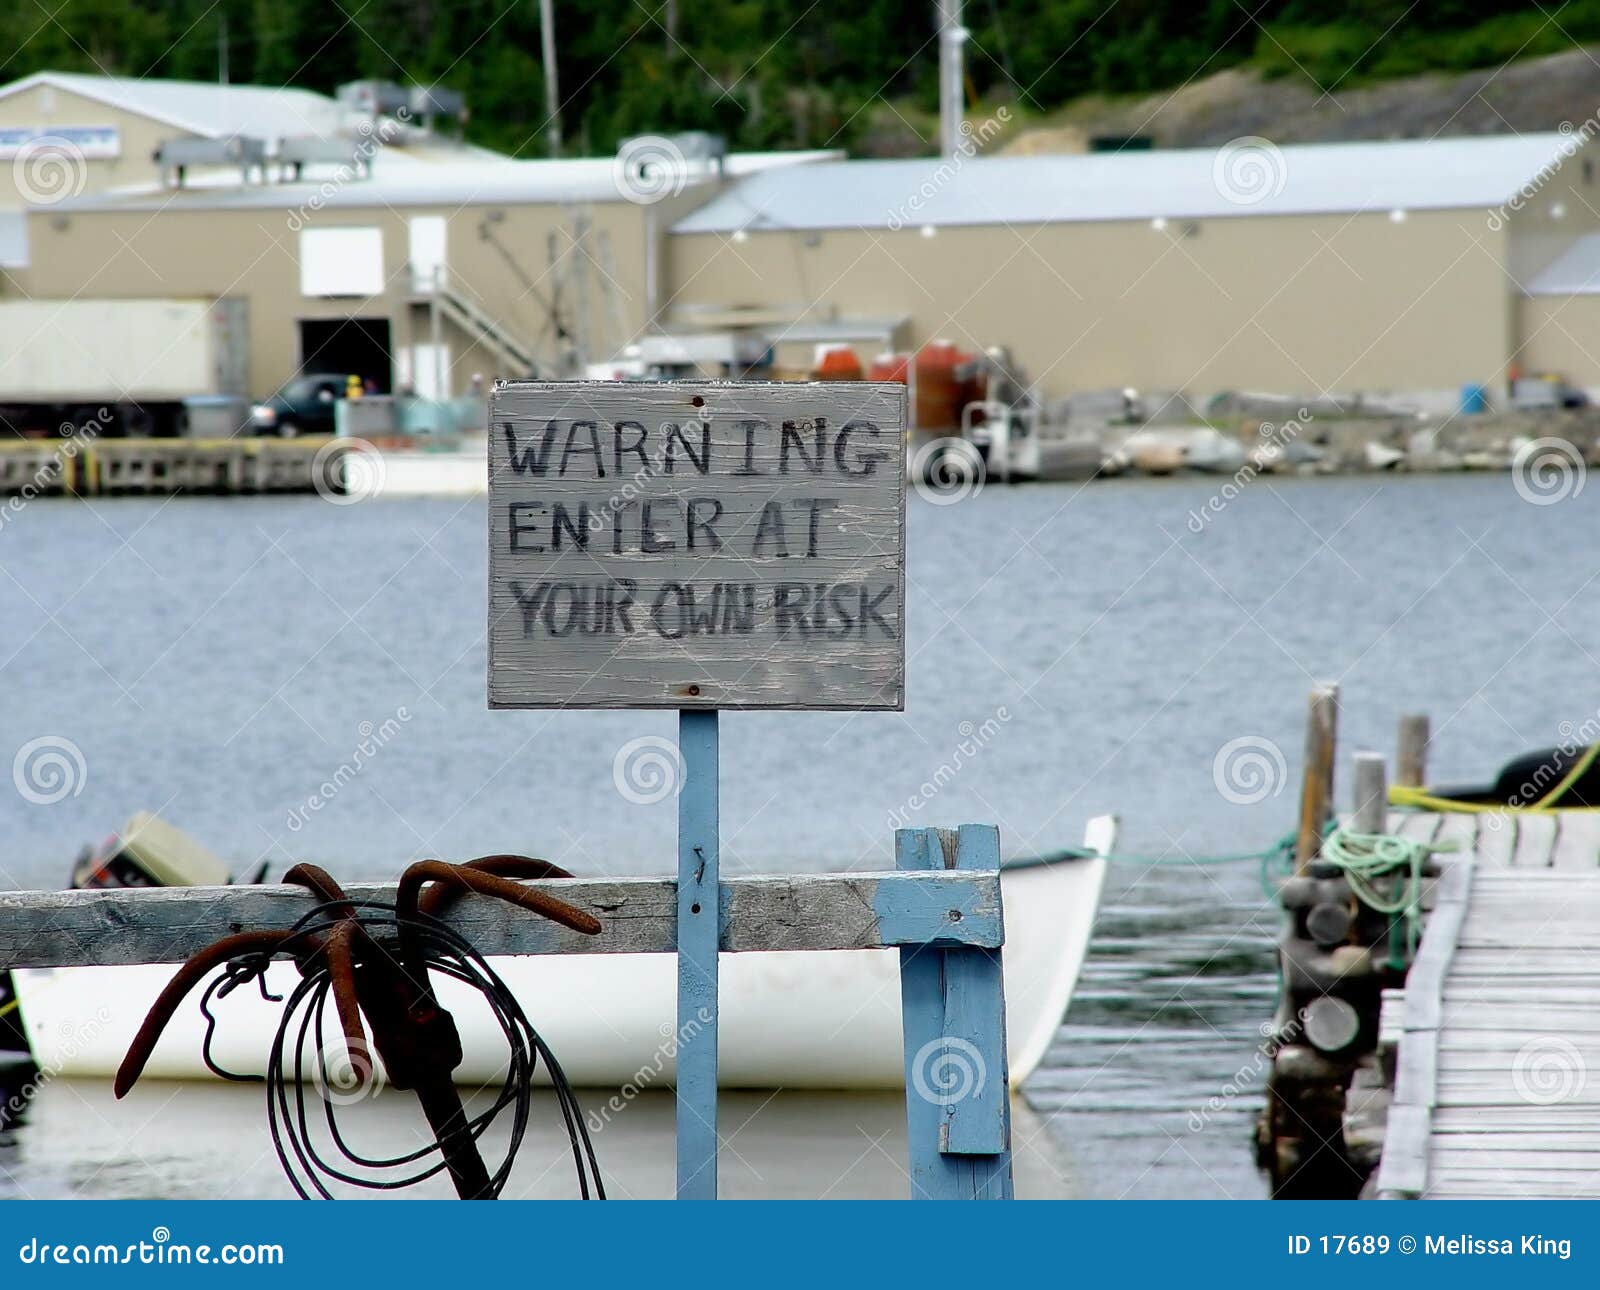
(1495, 1040)
(88, 467)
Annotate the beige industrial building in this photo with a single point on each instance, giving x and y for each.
(1397, 267)
(114, 125)
(1364, 267)
(415, 280)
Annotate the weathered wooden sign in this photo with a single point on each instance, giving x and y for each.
(696, 545)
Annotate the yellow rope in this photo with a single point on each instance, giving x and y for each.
(1421, 799)
(1571, 777)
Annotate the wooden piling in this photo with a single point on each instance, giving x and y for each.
(1316, 791)
(1411, 751)
(1371, 806)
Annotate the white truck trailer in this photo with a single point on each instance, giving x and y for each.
(123, 367)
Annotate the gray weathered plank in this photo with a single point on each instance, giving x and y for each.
(1458, 833)
(1417, 825)
(792, 912)
(1391, 1018)
(697, 545)
(1496, 843)
(1403, 1169)
(1578, 842)
(1416, 1075)
(1425, 981)
(1536, 836)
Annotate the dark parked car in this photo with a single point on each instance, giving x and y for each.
(303, 406)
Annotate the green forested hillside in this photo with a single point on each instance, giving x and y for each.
(773, 73)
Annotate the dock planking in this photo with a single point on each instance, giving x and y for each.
(1536, 839)
(1497, 1092)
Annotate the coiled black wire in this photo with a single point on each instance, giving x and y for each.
(441, 950)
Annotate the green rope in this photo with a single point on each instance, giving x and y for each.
(1275, 861)
(1367, 860)
(1130, 857)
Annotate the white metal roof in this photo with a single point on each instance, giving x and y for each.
(198, 107)
(1246, 178)
(1575, 272)
(404, 178)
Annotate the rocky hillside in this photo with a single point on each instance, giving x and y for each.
(1539, 94)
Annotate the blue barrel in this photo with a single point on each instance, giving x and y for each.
(1474, 398)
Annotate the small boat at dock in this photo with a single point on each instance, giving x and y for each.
(818, 1020)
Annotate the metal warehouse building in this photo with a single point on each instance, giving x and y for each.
(420, 276)
(1369, 267)
(1406, 266)
(115, 125)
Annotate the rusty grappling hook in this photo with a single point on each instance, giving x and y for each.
(374, 960)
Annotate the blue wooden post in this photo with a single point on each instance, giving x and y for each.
(699, 928)
(958, 1109)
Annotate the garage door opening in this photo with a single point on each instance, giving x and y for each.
(346, 347)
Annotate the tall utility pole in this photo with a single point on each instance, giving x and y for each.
(552, 88)
(952, 82)
(222, 48)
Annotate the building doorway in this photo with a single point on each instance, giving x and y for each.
(346, 347)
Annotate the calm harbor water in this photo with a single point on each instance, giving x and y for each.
(219, 661)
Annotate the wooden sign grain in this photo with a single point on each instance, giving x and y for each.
(697, 545)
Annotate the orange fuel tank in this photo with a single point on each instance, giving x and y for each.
(890, 367)
(836, 363)
(946, 381)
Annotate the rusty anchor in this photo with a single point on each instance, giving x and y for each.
(374, 960)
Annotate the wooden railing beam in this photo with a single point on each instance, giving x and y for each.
(788, 912)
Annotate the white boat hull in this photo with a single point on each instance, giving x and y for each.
(795, 1020)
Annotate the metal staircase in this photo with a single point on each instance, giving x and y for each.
(481, 327)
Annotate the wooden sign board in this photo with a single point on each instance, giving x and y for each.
(697, 545)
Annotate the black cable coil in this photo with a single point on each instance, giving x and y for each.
(441, 950)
